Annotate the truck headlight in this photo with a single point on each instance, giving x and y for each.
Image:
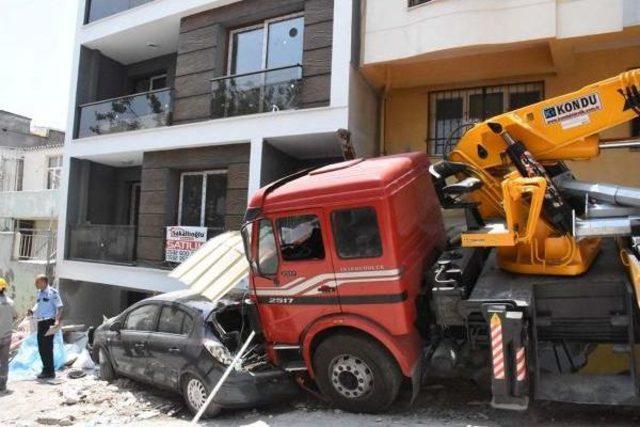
(218, 351)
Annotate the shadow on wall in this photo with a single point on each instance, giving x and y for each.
(20, 275)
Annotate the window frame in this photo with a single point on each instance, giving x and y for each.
(203, 202)
(280, 242)
(277, 249)
(133, 310)
(335, 240)
(51, 169)
(466, 104)
(264, 25)
(181, 309)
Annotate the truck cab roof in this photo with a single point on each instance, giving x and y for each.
(340, 182)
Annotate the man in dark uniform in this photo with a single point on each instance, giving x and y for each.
(47, 312)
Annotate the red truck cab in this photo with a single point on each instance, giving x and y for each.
(338, 256)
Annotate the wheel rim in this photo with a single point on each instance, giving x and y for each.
(196, 393)
(351, 376)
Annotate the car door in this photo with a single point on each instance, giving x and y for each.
(129, 348)
(170, 344)
(301, 287)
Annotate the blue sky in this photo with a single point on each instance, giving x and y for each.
(36, 43)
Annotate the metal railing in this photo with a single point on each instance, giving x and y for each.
(103, 243)
(35, 245)
(257, 92)
(98, 9)
(132, 112)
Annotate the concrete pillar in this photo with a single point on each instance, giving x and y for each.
(255, 166)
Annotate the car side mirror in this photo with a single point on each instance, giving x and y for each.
(115, 326)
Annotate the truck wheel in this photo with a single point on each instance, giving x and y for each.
(356, 373)
(107, 373)
(195, 394)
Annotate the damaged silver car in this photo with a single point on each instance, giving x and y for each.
(184, 343)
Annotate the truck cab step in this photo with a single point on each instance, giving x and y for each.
(295, 366)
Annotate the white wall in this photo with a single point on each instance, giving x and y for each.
(35, 168)
(394, 31)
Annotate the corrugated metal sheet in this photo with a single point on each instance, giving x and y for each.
(216, 268)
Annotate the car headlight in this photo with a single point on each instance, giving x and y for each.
(218, 351)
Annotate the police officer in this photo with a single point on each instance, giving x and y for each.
(47, 312)
(8, 315)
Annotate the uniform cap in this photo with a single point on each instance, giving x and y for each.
(3, 284)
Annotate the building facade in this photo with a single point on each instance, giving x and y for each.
(181, 109)
(30, 179)
(443, 64)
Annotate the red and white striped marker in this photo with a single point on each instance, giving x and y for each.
(497, 349)
(521, 365)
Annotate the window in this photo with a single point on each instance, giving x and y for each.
(635, 127)
(174, 321)
(54, 172)
(275, 43)
(356, 233)
(203, 197)
(11, 170)
(150, 83)
(301, 238)
(142, 318)
(450, 111)
(417, 2)
(267, 249)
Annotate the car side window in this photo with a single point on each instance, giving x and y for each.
(142, 318)
(173, 320)
(301, 238)
(356, 233)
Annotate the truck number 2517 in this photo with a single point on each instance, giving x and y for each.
(280, 300)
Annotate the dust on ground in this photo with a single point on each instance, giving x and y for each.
(90, 402)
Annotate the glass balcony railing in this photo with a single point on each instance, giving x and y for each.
(139, 111)
(258, 92)
(102, 243)
(98, 9)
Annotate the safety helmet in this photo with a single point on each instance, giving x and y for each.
(3, 284)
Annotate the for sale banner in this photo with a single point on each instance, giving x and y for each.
(183, 241)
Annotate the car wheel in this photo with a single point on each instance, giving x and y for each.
(195, 393)
(107, 373)
(356, 373)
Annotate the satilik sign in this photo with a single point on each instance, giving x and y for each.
(183, 241)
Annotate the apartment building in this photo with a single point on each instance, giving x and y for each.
(30, 177)
(181, 109)
(443, 64)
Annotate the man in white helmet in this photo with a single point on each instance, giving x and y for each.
(8, 315)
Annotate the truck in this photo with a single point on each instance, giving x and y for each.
(357, 288)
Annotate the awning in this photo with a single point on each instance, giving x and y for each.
(216, 268)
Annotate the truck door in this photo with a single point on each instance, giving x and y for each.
(367, 276)
(302, 285)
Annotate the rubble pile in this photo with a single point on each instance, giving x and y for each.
(90, 401)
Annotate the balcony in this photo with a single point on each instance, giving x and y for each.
(102, 243)
(132, 112)
(257, 92)
(42, 204)
(38, 246)
(98, 9)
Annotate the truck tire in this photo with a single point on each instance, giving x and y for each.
(107, 373)
(356, 373)
(195, 393)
